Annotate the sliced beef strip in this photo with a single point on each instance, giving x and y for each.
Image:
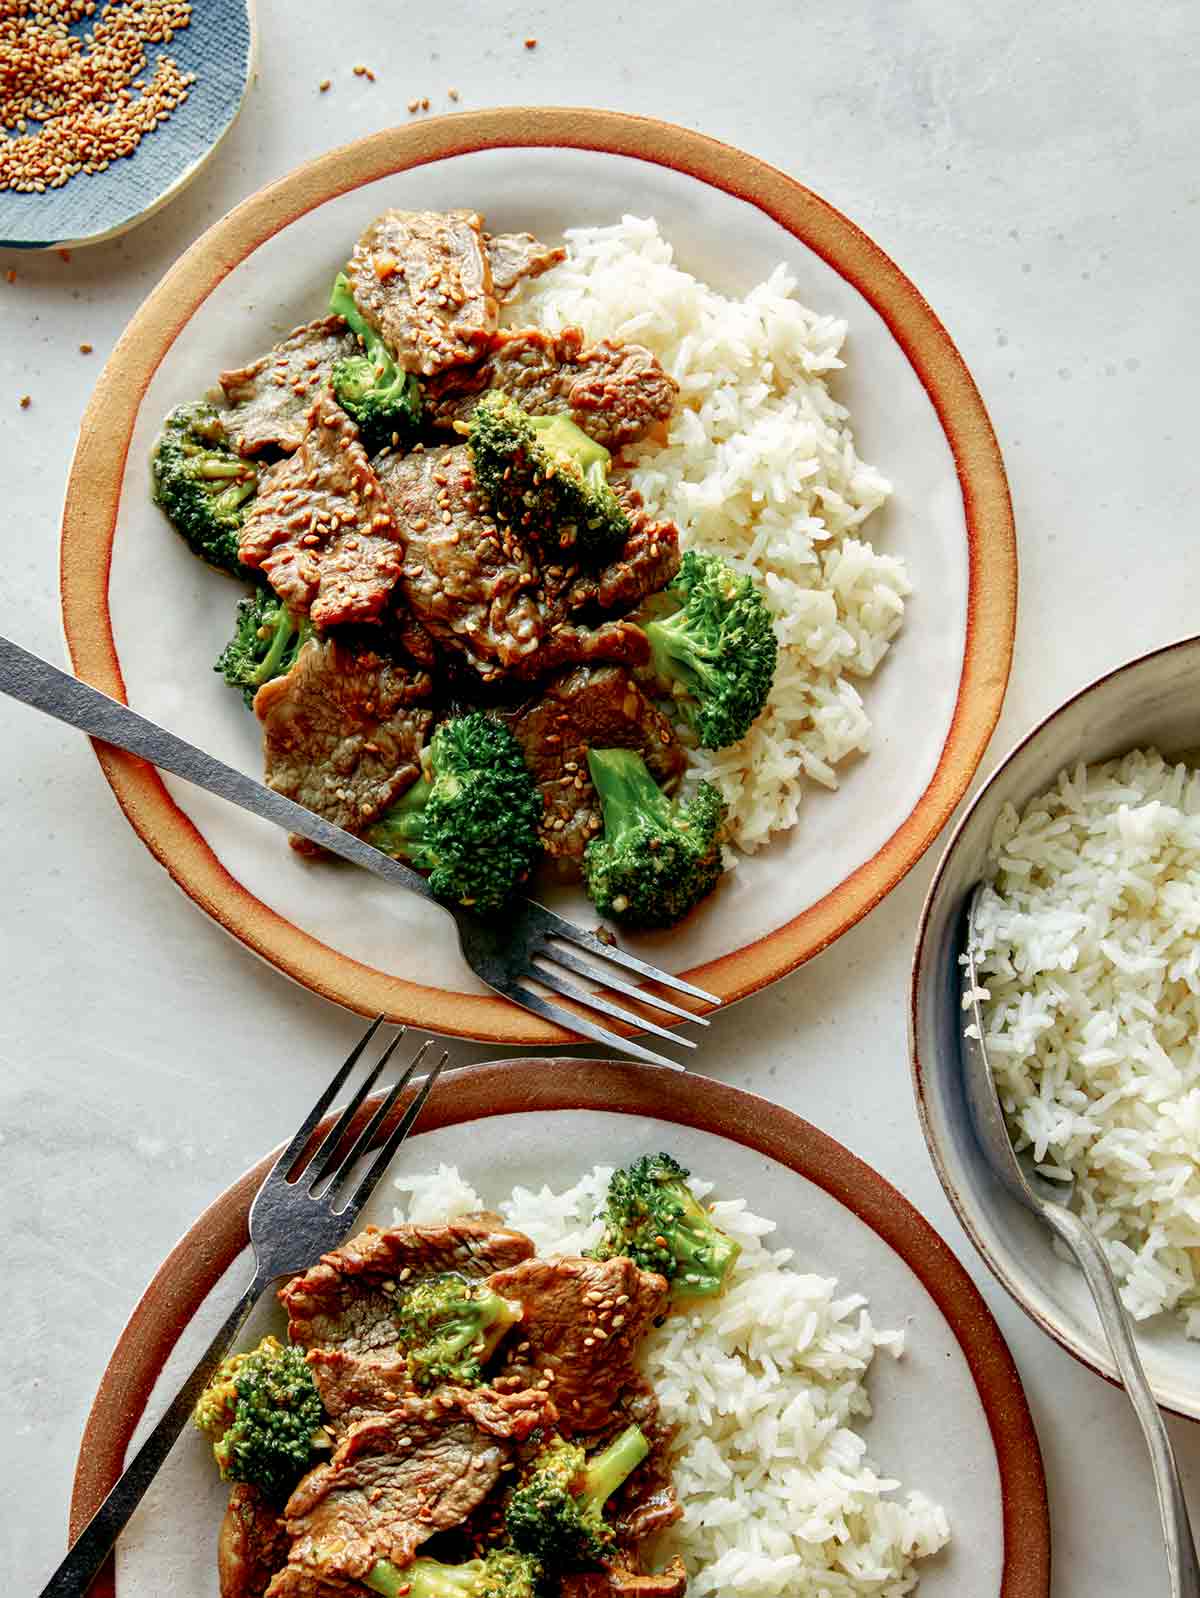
(618, 1582)
(253, 1544)
(345, 1301)
(469, 583)
(397, 1478)
(589, 707)
(582, 1325)
(423, 281)
(343, 731)
(516, 256)
(615, 392)
(320, 528)
(268, 401)
(474, 586)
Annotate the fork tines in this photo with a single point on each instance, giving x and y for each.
(326, 1173)
(553, 963)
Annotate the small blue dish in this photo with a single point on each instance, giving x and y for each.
(218, 46)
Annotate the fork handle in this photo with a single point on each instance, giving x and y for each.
(1182, 1566)
(36, 682)
(94, 1543)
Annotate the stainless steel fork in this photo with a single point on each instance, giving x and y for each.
(293, 1221)
(532, 947)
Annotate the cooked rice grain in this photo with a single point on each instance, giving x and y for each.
(759, 467)
(765, 1387)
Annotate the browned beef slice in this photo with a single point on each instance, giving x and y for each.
(469, 583)
(474, 586)
(252, 1545)
(397, 1478)
(423, 281)
(353, 1386)
(267, 402)
(598, 707)
(615, 392)
(618, 1582)
(343, 731)
(345, 1301)
(320, 527)
(647, 561)
(515, 256)
(583, 1322)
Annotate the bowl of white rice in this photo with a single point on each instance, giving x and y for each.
(1088, 947)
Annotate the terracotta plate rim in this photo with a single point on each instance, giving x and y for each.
(539, 1086)
(93, 497)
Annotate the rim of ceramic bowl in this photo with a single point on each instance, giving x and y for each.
(1169, 1399)
(94, 491)
(538, 1086)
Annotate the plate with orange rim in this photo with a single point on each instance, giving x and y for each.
(949, 1416)
(731, 220)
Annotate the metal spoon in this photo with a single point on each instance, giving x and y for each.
(1050, 1201)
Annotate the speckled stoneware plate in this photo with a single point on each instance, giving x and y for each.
(218, 47)
(950, 1416)
(1148, 702)
(266, 267)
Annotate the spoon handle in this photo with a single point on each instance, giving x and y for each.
(1182, 1565)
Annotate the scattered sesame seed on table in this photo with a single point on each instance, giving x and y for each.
(95, 95)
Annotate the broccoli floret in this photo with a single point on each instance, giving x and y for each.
(374, 392)
(471, 819)
(556, 1512)
(202, 485)
(546, 477)
(657, 857)
(265, 645)
(501, 1574)
(450, 1328)
(714, 645)
(652, 1217)
(263, 1413)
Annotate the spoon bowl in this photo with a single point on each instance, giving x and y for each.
(1050, 1201)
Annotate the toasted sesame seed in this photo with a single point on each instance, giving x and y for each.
(79, 87)
(85, 349)
(452, 94)
(324, 85)
(24, 402)
(531, 43)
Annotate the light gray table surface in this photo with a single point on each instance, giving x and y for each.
(1035, 170)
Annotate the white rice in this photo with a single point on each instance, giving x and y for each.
(760, 467)
(765, 1387)
(1091, 970)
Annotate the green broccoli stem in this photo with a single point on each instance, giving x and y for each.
(402, 830)
(213, 466)
(424, 1578)
(627, 791)
(286, 628)
(678, 650)
(608, 1470)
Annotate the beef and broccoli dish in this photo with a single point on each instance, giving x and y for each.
(453, 1414)
(465, 636)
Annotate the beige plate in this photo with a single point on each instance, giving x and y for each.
(950, 1417)
(266, 266)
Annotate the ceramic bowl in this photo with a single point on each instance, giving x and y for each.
(1150, 701)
